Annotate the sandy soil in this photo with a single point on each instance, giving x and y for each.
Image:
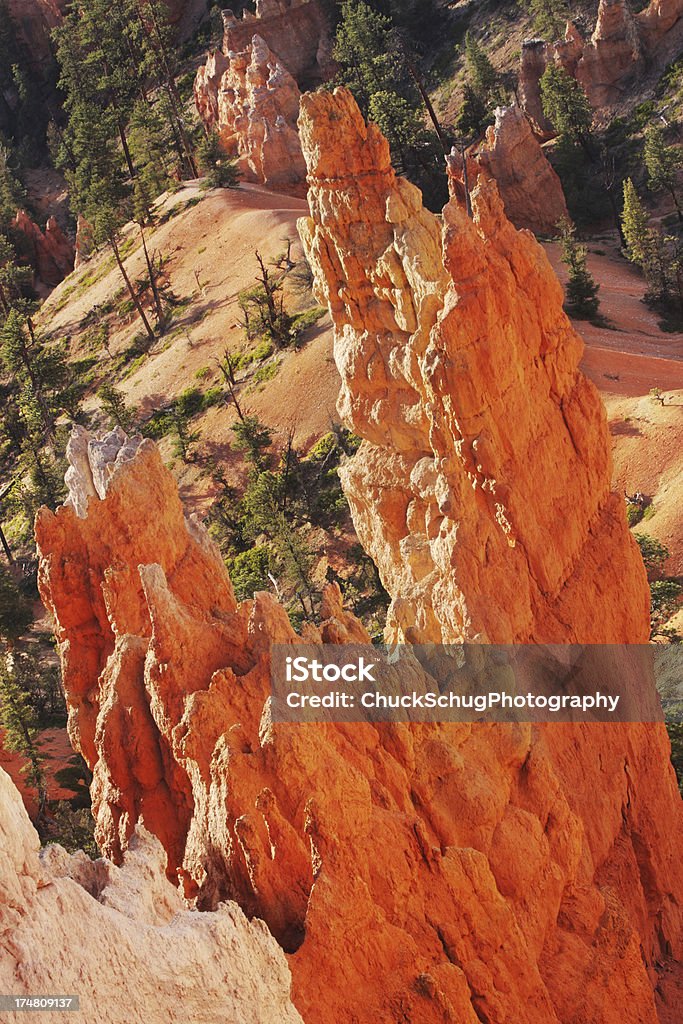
(626, 361)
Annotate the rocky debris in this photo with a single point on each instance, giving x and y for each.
(49, 253)
(461, 372)
(253, 102)
(622, 49)
(433, 872)
(529, 187)
(122, 939)
(297, 31)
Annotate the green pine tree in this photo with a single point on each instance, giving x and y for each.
(581, 291)
(566, 106)
(663, 164)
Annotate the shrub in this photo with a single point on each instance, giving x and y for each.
(249, 572)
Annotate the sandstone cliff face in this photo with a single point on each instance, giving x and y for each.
(461, 372)
(122, 939)
(35, 20)
(253, 103)
(529, 187)
(297, 31)
(49, 253)
(426, 872)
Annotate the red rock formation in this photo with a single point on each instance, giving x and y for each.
(297, 32)
(612, 57)
(533, 61)
(122, 940)
(34, 20)
(622, 49)
(253, 103)
(206, 86)
(50, 254)
(529, 187)
(446, 494)
(418, 872)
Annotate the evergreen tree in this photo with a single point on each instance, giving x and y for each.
(659, 261)
(16, 614)
(482, 75)
(566, 106)
(550, 17)
(473, 115)
(663, 164)
(114, 405)
(19, 721)
(635, 225)
(581, 291)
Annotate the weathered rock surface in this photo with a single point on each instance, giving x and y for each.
(529, 187)
(424, 872)
(622, 50)
(49, 253)
(253, 102)
(297, 31)
(35, 20)
(461, 372)
(122, 939)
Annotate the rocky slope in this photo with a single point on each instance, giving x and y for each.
(77, 927)
(434, 873)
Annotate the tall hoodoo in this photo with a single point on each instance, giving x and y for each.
(481, 434)
(252, 101)
(529, 187)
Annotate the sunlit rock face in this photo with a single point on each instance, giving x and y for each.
(122, 940)
(529, 187)
(460, 370)
(420, 872)
(252, 101)
(623, 50)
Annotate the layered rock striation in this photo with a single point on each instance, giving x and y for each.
(122, 939)
(461, 371)
(529, 187)
(252, 101)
